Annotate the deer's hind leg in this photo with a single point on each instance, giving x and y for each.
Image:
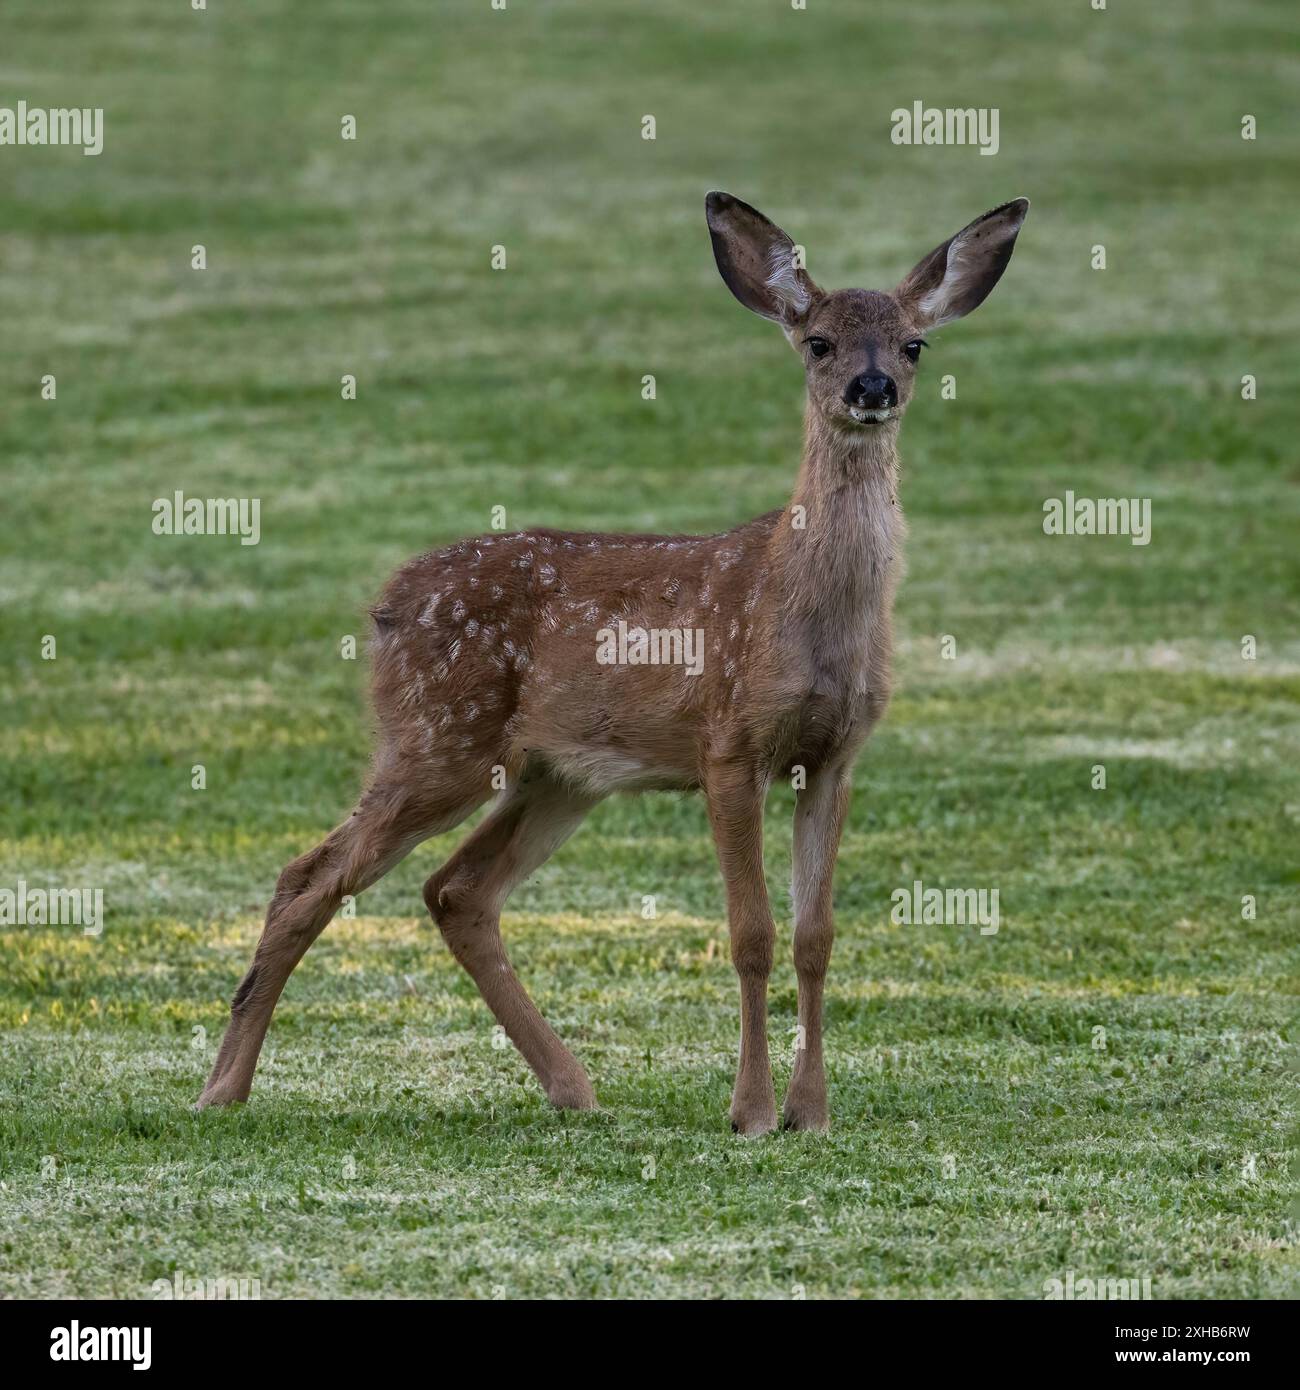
(466, 895)
(390, 820)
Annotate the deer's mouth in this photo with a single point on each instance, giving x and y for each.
(871, 416)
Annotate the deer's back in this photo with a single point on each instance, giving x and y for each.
(498, 648)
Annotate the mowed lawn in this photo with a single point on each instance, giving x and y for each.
(1103, 1086)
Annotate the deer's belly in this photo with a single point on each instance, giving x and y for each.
(601, 771)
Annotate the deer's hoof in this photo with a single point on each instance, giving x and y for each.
(811, 1122)
(219, 1096)
(805, 1101)
(754, 1123)
(572, 1093)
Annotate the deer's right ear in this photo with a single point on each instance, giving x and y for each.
(758, 261)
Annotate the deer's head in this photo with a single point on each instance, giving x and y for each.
(860, 347)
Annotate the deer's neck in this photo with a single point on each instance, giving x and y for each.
(838, 549)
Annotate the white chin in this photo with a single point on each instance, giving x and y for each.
(874, 417)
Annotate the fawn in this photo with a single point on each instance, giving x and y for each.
(486, 679)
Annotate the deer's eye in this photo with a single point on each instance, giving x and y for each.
(819, 347)
(912, 350)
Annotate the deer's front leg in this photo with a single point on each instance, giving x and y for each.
(818, 821)
(735, 795)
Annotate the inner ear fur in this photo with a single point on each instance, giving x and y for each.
(756, 259)
(959, 275)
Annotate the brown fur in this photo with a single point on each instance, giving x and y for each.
(484, 663)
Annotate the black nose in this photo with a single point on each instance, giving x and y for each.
(871, 392)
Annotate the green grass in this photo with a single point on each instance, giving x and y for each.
(983, 1142)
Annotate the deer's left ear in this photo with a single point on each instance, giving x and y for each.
(758, 261)
(958, 276)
